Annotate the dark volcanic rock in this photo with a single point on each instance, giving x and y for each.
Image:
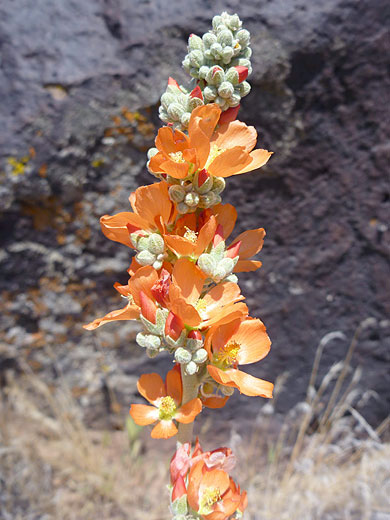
(70, 151)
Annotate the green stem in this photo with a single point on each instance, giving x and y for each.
(190, 391)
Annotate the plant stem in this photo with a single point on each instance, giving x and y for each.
(190, 391)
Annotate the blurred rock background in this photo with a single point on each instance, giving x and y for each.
(80, 84)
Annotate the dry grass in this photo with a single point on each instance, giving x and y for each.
(326, 464)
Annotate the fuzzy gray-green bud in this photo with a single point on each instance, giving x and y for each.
(207, 200)
(227, 390)
(246, 53)
(210, 93)
(234, 22)
(234, 100)
(152, 152)
(167, 98)
(244, 88)
(243, 37)
(209, 39)
(232, 76)
(227, 55)
(216, 50)
(196, 58)
(203, 71)
(182, 208)
(200, 356)
(224, 268)
(219, 184)
(207, 263)
(185, 119)
(215, 75)
(193, 344)
(232, 278)
(176, 193)
(145, 257)
(151, 353)
(195, 43)
(225, 38)
(191, 368)
(156, 244)
(194, 102)
(182, 355)
(205, 187)
(148, 341)
(217, 20)
(225, 90)
(191, 199)
(175, 111)
(221, 102)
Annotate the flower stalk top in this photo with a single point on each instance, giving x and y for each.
(182, 285)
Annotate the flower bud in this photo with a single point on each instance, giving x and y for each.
(196, 92)
(216, 50)
(173, 326)
(218, 237)
(157, 264)
(200, 356)
(219, 184)
(234, 100)
(243, 37)
(207, 200)
(142, 242)
(232, 278)
(207, 263)
(195, 334)
(229, 115)
(145, 257)
(175, 111)
(242, 72)
(196, 58)
(191, 199)
(246, 53)
(167, 99)
(149, 341)
(182, 356)
(148, 307)
(227, 390)
(244, 88)
(234, 22)
(151, 353)
(202, 182)
(173, 83)
(232, 75)
(152, 152)
(194, 102)
(156, 244)
(233, 250)
(225, 38)
(195, 43)
(224, 268)
(225, 90)
(227, 55)
(203, 71)
(221, 102)
(210, 93)
(191, 368)
(217, 20)
(179, 489)
(176, 193)
(185, 119)
(182, 208)
(215, 75)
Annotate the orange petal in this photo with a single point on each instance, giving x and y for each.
(151, 387)
(156, 162)
(229, 162)
(215, 402)
(218, 337)
(253, 339)
(179, 245)
(206, 118)
(215, 478)
(152, 202)
(174, 385)
(206, 235)
(187, 413)
(115, 227)
(164, 430)
(130, 312)
(222, 294)
(227, 314)
(189, 278)
(258, 158)
(235, 133)
(143, 414)
(247, 384)
(171, 141)
(251, 242)
(185, 310)
(194, 480)
(174, 169)
(143, 280)
(226, 215)
(245, 266)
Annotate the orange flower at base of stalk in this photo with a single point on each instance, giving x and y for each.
(166, 404)
(223, 151)
(236, 343)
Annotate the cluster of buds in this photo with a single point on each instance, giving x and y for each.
(177, 103)
(201, 486)
(219, 262)
(199, 190)
(150, 248)
(220, 62)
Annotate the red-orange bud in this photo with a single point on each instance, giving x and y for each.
(242, 72)
(148, 307)
(173, 326)
(179, 488)
(172, 81)
(218, 237)
(233, 250)
(195, 334)
(228, 115)
(197, 93)
(202, 177)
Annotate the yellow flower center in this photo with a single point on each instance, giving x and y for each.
(201, 305)
(190, 235)
(227, 355)
(167, 408)
(177, 157)
(214, 152)
(210, 496)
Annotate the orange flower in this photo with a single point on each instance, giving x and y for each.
(196, 309)
(153, 212)
(212, 493)
(166, 404)
(141, 282)
(236, 343)
(222, 152)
